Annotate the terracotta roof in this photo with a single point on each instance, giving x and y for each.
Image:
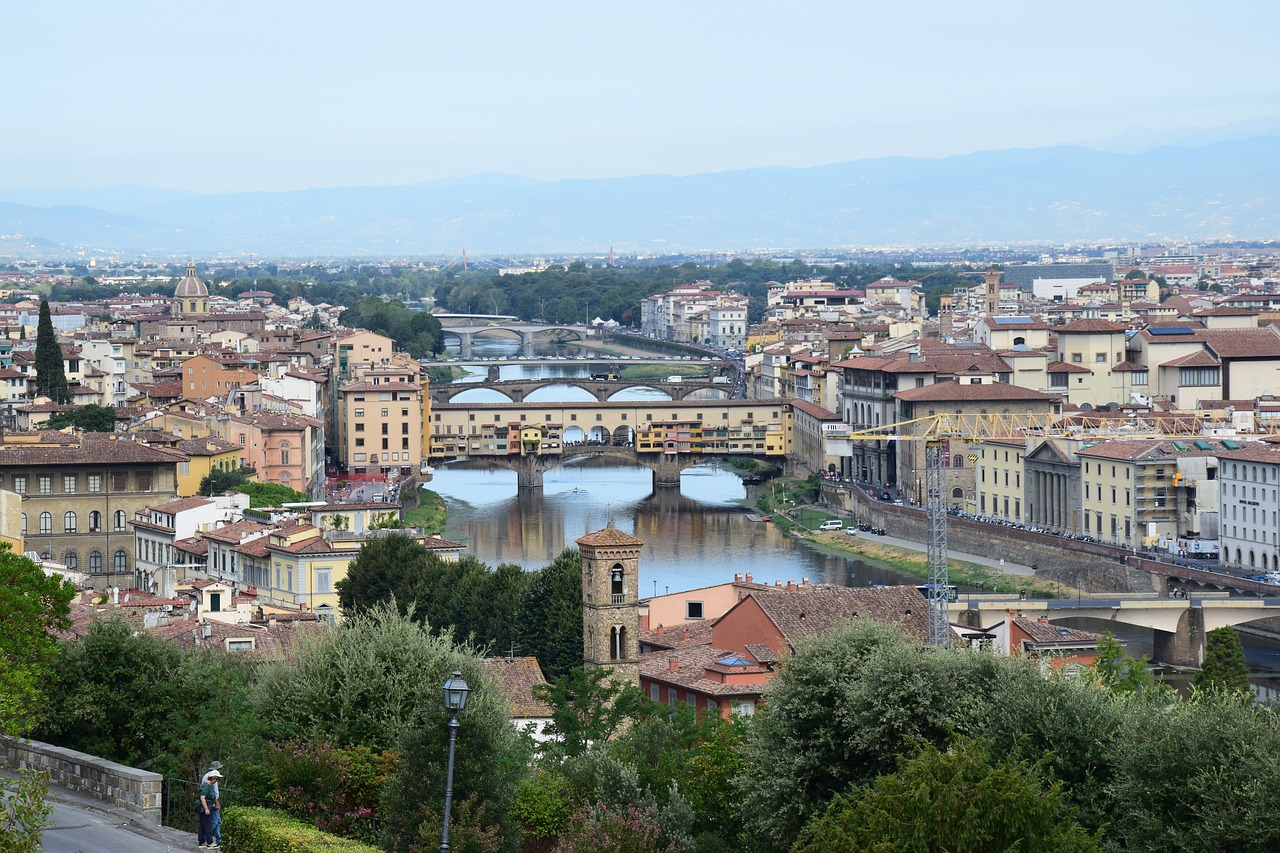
(1128, 366)
(1225, 311)
(236, 532)
(191, 285)
(1067, 367)
(813, 609)
(1091, 326)
(181, 505)
(609, 537)
(678, 636)
(194, 545)
(1047, 633)
(89, 448)
(254, 547)
(1200, 358)
(436, 543)
(947, 391)
(315, 545)
(516, 678)
(814, 411)
(207, 446)
(1263, 342)
(688, 668)
(1254, 452)
(1151, 450)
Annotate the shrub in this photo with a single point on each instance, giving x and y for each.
(253, 830)
(335, 788)
(601, 829)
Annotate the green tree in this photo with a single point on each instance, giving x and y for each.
(549, 623)
(378, 573)
(90, 418)
(1120, 672)
(51, 379)
(218, 482)
(1224, 667)
(587, 706)
(270, 494)
(963, 798)
(32, 607)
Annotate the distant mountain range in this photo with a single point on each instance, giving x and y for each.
(1223, 190)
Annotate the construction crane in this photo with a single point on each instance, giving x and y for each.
(937, 429)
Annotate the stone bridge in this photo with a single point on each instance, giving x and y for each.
(1178, 626)
(517, 390)
(666, 467)
(526, 334)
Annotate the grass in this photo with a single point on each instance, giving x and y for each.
(662, 371)
(430, 513)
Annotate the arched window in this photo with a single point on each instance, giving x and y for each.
(615, 584)
(1019, 342)
(957, 492)
(120, 561)
(46, 522)
(285, 479)
(71, 559)
(68, 522)
(95, 561)
(617, 642)
(957, 461)
(95, 522)
(120, 519)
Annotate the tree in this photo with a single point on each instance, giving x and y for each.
(587, 706)
(218, 482)
(90, 418)
(1122, 673)
(549, 624)
(51, 380)
(32, 607)
(1224, 667)
(270, 494)
(377, 574)
(962, 798)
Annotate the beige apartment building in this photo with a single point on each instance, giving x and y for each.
(999, 479)
(379, 421)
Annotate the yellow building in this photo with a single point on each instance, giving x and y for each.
(999, 479)
(207, 454)
(11, 520)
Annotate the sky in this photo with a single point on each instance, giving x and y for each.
(273, 95)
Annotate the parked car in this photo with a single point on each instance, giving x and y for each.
(831, 524)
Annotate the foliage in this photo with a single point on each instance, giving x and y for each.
(1122, 673)
(90, 418)
(24, 812)
(709, 770)
(430, 514)
(270, 494)
(266, 831)
(470, 831)
(543, 806)
(1224, 667)
(112, 692)
(599, 828)
(587, 705)
(335, 788)
(218, 482)
(51, 377)
(963, 798)
(549, 624)
(415, 332)
(32, 607)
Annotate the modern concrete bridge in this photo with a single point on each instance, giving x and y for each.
(1178, 625)
(527, 334)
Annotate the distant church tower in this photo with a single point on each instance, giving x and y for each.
(946, 316)
(191, 296)
(611, 602)
(993, 278)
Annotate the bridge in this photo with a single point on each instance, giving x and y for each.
(525, 333)
(1178, 626)
(517, 390)
(607, 363)
(664, 436)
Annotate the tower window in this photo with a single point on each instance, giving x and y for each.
(615, 585)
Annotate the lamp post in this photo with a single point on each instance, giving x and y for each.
(455, 699)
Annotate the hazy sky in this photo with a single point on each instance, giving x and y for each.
(277, 94)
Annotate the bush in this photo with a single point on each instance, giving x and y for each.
(335, 788)
(252, 830)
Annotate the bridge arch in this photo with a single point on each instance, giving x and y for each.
(479, 394)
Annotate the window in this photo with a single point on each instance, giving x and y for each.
(20, 485)
(119, 482)
(1139, 377)
(384, 413)
(654, 693)
(671, 696)
(95, 522)
(1100, 357)
(68, 522)
(1077, 358)
(693, 610)
(359, 442)
(95, 561)
(120, 520)
(359, 427)
(323, 580)
(385, 428)
(71, 560)
(46, 484)
(284, 456)
(1198, 376)
(46, 522)
(120, 562)
(144, 483)
(359, 413)
(69, 483)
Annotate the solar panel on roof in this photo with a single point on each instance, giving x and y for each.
(1009, 321)
(1173, 330)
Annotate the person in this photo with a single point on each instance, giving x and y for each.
(217, 800)
(205, 808)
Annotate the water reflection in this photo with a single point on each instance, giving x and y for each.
(695, 536)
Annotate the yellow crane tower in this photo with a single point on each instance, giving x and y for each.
(935, 430)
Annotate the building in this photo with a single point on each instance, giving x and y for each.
(79, 494)
(190, 297)
(611, 602)
(1249, 485)
(280, 447)
(157, 565)
(379, 421)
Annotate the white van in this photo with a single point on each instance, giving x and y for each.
(674, 379)
(831, 524)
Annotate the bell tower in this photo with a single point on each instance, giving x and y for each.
(991, 278)
(611, 602)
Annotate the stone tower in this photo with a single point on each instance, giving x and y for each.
(611, 602)
(946, 316)
(992, 301)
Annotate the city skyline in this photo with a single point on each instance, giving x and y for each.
(243, 97)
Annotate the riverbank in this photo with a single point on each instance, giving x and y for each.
(430, 514)
(963, 573)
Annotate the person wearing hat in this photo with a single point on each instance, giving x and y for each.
(205, 807)
(212, 778)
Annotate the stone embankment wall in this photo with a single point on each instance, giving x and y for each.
(1085, 565)
(135, 791)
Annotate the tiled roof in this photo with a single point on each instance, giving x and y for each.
(1243, 343)
(1200, 358)
(688, 668)
(1149, 450)
(813, 609)
(194, 545)
(1254, 452)
(181, 505)
(89, 448)
(517, 677)
(208, 446)
(1067, 367)
(236, 532)
(814, 411)
(436, 543)
(1049, 633)
(994, 391)
(1128, 366)
(1091, 327)
(609, 537)
(678, 636)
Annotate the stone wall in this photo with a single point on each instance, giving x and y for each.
(135, 791)
(1086, 565)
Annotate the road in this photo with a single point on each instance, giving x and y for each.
(73, 829)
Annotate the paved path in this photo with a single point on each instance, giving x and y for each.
(80, 824)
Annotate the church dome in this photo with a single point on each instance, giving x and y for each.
(191, 285)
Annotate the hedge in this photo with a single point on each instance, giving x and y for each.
(254, 830)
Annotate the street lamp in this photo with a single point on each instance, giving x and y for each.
(455, 699)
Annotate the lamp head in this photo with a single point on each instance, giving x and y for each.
(455, 692)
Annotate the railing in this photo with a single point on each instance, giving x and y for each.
(380, 533)
(179, 802)
(618, 598)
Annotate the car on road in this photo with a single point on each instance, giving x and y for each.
(851, 530)
(885, 496)
(831, 524)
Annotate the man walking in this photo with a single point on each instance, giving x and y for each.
(206, 808)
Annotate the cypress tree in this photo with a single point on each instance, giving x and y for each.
(1224, 666)
(51, 381)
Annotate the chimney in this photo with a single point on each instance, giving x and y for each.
(271, 621)
(672, 664)
(685, 634)
(791, 585)
(206, 630)
(661, 630)
(748, 577)
(804, 582)
(737, 577)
